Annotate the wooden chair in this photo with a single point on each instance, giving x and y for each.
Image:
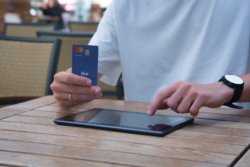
(68, 39)
(83, 26)
(65, 57)
(25, 29)
(27, 67)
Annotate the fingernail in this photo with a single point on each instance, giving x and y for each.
(97, 97)
(89, 82)
(96, 91)
(149, 112)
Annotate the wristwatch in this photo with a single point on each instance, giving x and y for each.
(237, 84)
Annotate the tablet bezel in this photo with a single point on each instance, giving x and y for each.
(180, 124)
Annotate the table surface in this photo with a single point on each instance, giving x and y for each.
(28, 137)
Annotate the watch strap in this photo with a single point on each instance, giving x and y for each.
(232, 105)
(237, 94)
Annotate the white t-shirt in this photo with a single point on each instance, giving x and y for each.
(155, 43)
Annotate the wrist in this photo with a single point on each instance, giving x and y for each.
(226, 92)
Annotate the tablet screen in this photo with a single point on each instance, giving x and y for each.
(125, 119)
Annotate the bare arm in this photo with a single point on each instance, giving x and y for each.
(186, 97)
(245, 97)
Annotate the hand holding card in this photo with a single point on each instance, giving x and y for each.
(78, 83)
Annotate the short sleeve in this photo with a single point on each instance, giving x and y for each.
(106, 39)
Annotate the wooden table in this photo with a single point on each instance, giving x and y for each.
(28, 137)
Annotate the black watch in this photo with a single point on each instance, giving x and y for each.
(237, 84)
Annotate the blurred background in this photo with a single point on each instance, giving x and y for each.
(40, 11)
(26, 26)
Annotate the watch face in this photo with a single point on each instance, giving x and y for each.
(234, 79)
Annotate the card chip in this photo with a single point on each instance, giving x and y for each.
(87, 52)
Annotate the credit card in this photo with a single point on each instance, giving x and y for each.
(85, 61)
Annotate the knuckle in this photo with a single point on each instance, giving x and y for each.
(202, 95)
(171, 104)
(68, 78)
(181, 110)
(73, 89)
(80, 80)
(54, 87)
(187, 85)
(56, 96)
(193, 93)
(56, 76)
(178, 82)
(160, 94)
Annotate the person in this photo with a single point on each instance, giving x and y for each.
(52, 8)
(170, 53)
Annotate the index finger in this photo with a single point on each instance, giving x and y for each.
(162, 95)
(70, 78)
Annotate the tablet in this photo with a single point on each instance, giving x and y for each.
(125, 121)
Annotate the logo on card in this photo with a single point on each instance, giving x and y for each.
(84, 73)
(78, 49)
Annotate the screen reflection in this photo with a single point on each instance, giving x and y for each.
(125, 119)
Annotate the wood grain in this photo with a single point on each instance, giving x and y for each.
(30, 120)
(226, 124)
(210, 137)
(216, 138)
(59, 109)
(114, 103)
(244, 161)
(46, 114)
(218, 130)
(94, 155)
(125, 137)
(199, 121)
(7, 113)
(192, 127)
(124, 147)
(225, 111)
(20, 159)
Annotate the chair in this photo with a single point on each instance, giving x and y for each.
(68, 39)
(65, 58)
(25, 29)
(27, 67)
(82, 26)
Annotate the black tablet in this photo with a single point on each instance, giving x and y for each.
(125, 121)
